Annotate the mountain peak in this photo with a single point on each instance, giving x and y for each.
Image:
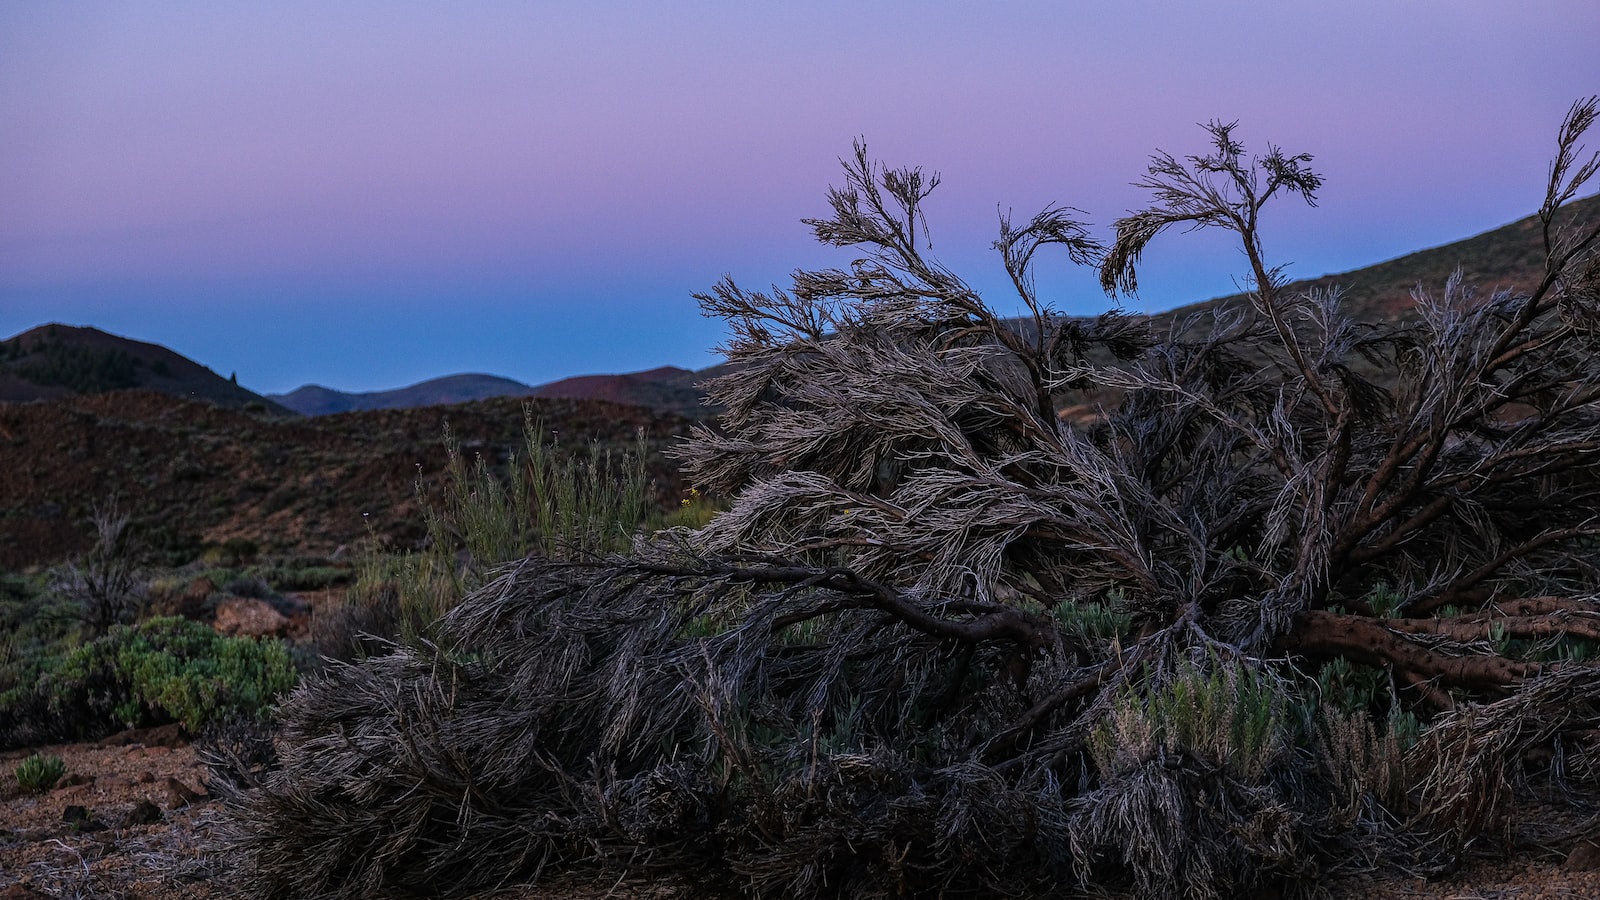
(58, 360)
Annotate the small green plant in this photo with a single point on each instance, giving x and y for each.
(39, 773)
(1384, 600)
(1093, 620)
(1230, 716)
(695, 510)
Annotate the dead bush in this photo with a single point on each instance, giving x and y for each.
(941, 641)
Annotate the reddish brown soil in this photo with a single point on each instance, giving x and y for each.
(111, 854)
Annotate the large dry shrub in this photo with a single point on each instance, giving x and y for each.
(942, 641)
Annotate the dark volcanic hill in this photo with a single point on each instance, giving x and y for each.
(316, 400)
(57, 360)
(668, 388)
(193, 473)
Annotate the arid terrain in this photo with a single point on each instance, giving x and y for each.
(192, 474)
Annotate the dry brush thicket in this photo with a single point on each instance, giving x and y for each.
(1314, 594)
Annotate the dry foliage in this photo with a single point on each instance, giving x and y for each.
(942, 641)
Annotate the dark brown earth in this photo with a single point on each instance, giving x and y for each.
(192, 474)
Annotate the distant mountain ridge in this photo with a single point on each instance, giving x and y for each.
(665, 389)
(316, 400)
(56, 360)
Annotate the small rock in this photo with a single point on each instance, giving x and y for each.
(170, 735)
(248, 617)
(143, 813)
(180, 794)
(145, 777)
(1585, 856)
(81, 819)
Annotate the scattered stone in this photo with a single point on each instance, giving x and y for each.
(143, 813)
(170, 735)
(81, 819)
(180, 794)
(1585, 856)
(248, 617)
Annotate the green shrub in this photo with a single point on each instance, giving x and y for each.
(235, 551)
(39, 773)
(1232, 718)
(162, 670)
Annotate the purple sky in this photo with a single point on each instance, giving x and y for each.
(369, 195)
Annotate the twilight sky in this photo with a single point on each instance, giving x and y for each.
(367, 195)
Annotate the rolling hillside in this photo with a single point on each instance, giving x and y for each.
(194, 474)
(316, 400)
(55, 360)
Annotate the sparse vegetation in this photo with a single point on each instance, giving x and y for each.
(84, 370)
(106, 585)
(549, 502)
(291, 487)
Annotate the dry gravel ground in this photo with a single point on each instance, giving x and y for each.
(147, 831)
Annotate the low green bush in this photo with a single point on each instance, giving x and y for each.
(162, 670)
(1228, 717)
(39, 773)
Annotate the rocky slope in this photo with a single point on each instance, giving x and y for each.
(193, 474)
